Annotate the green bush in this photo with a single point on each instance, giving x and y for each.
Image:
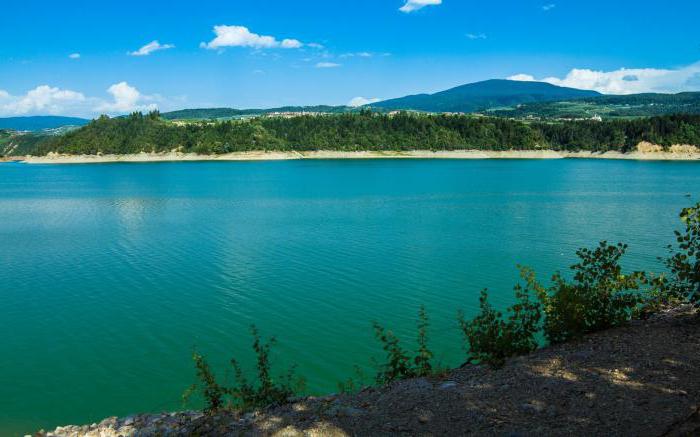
(212, 392)
(399, 364)
(491, 339)
(658, 295)
(353, 384)
(684, 264)
(599, 297)
(422, 360)
(244, 395)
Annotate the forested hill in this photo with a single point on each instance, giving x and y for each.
(635, 105)
(367, 131)
(488, 94)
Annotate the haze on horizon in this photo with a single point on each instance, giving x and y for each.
(82, 58)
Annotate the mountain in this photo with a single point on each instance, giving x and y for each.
(502, 98)
(38, 123)
(488, 94)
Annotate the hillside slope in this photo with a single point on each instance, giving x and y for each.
(484, 95)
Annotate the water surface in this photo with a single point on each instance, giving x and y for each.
(112, 273)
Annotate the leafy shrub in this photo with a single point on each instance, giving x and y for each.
(657, 295)
(684, 281)
(600, 296)
(492, 339)
(245, 395)
(399, 365)
(425, 355)
(352, 384)
(212, 392)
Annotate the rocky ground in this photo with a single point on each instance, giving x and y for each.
(643, 379)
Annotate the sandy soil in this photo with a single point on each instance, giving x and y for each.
(415, 154)
(643, 379)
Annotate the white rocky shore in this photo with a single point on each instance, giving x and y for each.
(645, 151)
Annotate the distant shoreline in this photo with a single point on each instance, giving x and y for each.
(414, 154)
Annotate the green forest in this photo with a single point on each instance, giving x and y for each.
(366, 130)
(629, 106)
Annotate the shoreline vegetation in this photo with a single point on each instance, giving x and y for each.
(566, 355)
(689, 154)
(367, 134)
(594, 386)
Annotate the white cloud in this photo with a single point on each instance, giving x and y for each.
(414, 5)
(549, 7)
(361, 101)
(44, 99)
(327, 65)
(358, 54)
(474, 36)
(315, 45)
(149, 48)
(628, 81)
(291, 44)
(240, 36)
(74, 56)
(126, 99)
(48, 100)
(523, 78)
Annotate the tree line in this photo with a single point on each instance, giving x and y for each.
(366, 131)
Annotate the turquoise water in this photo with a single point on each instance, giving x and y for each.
(111, 274)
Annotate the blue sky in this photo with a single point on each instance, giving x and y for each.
(301, 52)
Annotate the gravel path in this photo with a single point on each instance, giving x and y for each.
(643, 379)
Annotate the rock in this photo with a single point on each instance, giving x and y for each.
(344, 411)
(580, 355)
(647, 147)
(412, 385)
(352, 412)
(532, 408)
(422, 384)
(110, 422)
(425, 416)
(448, 385)
(683, 148)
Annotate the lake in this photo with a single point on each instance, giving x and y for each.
(112, 274)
